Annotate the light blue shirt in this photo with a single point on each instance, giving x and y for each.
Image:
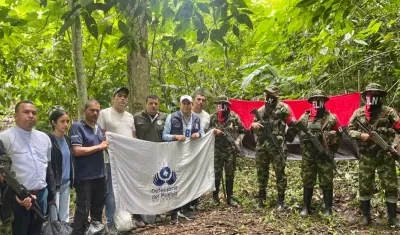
(187, 125)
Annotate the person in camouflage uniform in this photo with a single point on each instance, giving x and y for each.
(386, 122)
(279, 115)
(225, 120)
(319, 121)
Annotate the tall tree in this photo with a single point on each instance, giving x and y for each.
(137, 58)
(77, 56)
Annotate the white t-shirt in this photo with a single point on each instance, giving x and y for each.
(30, 152)
(204, 119)
(115, 122)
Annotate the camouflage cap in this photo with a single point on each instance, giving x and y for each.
(317, 93)
(222, 99)
(271, 89)
(374, 87)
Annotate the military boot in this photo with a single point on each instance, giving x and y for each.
(229, 193)
(262, 196)
(392, 211)
(307, 196)
(280, 205)
(328, 200)
(216, 192)
(366, 210)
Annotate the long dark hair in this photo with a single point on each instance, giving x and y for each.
(55, 115)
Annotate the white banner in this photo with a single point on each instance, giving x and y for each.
(154, 178)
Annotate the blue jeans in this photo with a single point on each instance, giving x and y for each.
(27, 222)
(62, 204)
(110, 200)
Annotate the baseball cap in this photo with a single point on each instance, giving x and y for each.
(125, 89)
(186, 97)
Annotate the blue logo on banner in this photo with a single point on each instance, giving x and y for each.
(166, 175)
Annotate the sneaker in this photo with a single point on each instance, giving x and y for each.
(187, 214)
(174, 218)
(111, 230)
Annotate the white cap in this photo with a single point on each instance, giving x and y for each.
(186, 97)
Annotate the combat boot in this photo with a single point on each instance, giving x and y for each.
(366, 210)
(280, 205)
(392, 211)
(262, 196)
(229, 192)
(307, 196)
(216, 192)
(328, 200)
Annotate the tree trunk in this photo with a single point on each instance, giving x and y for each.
(137, 60)
(77, 58)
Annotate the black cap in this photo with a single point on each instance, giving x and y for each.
(125, 89)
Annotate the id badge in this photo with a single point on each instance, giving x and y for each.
(187, 133)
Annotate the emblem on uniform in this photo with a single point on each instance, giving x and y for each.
(160, 122)
(196, 126)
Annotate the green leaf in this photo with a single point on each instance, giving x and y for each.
(245, 19)
(203, 7)
(306, 3)
(359, 41)
(86, 2)
(247, 11)
(236, 31)
(201, 36)
(66, 25)
(318, 13)
(223, 30)
(323, 50)
(175, 46)
(3, 12)
(192, 59)
(123, 41)
(91, 24)
(122, 27)
(1, 33)
(240, 3)
(43, 3)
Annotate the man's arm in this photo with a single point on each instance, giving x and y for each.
(78, 150)
(166, 136)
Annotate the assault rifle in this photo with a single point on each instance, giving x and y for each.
(267, 133)
(322, 151)
(377, 139)
(231, 141)
(19, 190)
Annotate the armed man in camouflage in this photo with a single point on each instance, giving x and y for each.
(279, 115)
(386, 122)
(225, 120)
(326, 127)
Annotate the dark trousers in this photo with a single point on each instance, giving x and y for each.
(27, 222)
(90, 198)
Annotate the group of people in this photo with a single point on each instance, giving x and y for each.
(49, 165)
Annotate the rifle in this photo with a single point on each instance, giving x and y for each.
(377, 139)
(318, 145)
(267, 129)
(231, 141)
(19, 190)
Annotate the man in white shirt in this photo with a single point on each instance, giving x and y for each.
(30, 154)
(116, 120)
(198, 105)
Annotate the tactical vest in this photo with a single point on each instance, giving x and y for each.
(277, 119)
(231, 126)
(379, 123)
(177, 123)
(326, 123)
